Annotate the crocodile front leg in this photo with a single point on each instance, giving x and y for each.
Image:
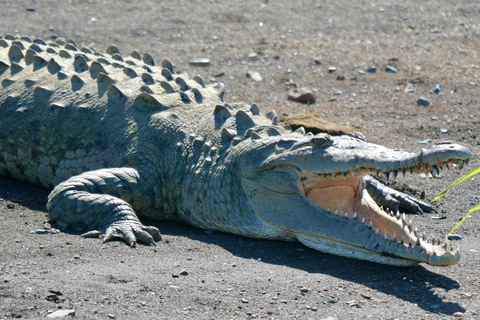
(102, 202)
(393, 199)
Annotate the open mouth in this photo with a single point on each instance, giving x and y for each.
(346, 195)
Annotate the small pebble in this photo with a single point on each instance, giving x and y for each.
(425, 141)
(391, 69)
(332, 69)
(184, 273)
(443, 130)
(372, 70)
(254, 75)
(304, 289)
(302, 96)
(438, 88)
(422, 101)
(459, 314)
(361, 72)
(454, 236)
(408, 88)
(252, 55)
(203, 62)
(40, 231)
(62, 313)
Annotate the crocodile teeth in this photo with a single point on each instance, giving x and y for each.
(344, 174)
(404, 218)
(370, 224)
(363, 220)
(334, 175)
(435, 171)
(354, 215)
(352, 172)
(394, 174)
(448, 246)
(445, 166)
(345, 215)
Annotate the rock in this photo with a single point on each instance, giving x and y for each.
(304, 289)
(443, 130)
(332, 69)
(391, 69)
(302, 96)
(252, 55)
(459, 314)
(425, 141)
(454, 236)
(203, 62)
(408, 88)
(184, 273)
(422, 101)
(315, 124)
(254, 75)
(341, 78)
(62, 313)
(438, 88)
(361, 72)
(317, 61)
(372, 70)
(40, 231)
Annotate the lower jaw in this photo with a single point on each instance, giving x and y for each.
(350, 251)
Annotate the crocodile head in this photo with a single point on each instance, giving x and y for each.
(313, 189)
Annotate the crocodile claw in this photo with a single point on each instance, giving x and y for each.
(129, 232)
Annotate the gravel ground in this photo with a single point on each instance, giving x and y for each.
(201, 275)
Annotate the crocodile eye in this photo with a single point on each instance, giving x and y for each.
(322, 140)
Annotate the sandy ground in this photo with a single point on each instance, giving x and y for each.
(199, 275)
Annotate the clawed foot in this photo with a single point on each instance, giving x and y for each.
(130, 232)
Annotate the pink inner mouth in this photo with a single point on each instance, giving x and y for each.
(346, 196)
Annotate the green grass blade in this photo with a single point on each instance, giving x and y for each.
(463, 219)
(465, 177)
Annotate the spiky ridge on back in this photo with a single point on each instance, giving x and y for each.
(67, 110)
(114, 73)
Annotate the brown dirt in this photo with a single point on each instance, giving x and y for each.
(295, 44)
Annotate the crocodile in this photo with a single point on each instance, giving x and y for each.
(119, 137)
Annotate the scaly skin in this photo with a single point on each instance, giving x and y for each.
(118, 138)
